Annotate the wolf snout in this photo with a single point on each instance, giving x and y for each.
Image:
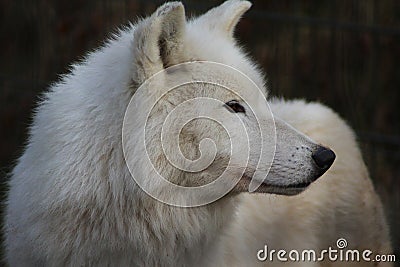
(323, 157)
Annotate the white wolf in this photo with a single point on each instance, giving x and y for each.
(341, 205)
(72, 199)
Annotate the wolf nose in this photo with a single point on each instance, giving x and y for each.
(323, 157)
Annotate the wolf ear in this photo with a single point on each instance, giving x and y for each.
(157, 41)
(225, 17)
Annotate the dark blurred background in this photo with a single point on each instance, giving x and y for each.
(344, 53)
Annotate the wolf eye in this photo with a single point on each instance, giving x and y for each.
(234, 107)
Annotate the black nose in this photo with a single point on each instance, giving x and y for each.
(323, 157)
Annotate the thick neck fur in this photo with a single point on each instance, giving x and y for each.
(103, 204)
(180, 236)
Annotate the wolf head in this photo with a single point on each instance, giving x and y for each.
(199, 112)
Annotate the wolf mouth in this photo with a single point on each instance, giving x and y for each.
(299, 185)
(281, 188)
(289, 189)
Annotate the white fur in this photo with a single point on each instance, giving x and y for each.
(340, 204)
(72, 201)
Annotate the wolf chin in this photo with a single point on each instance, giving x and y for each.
(73, 202)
